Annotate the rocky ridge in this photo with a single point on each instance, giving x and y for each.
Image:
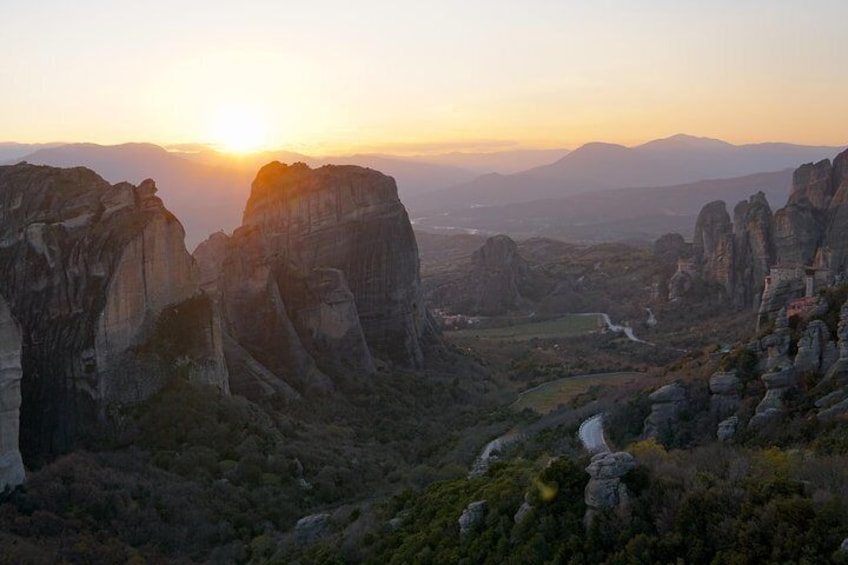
(320, 281)
(810, 231)
(98, 281)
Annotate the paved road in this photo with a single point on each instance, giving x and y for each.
(627, 330)
(591, 434)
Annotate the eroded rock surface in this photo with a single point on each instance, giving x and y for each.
(11, 463)
(666, 404)
(724, 389)
(321, 279)
(87, 269)
(605, 489)
(472, 516)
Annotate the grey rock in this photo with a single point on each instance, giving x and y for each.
(724, 399)
(830, 399)
(666, 404)
(727, 428)
(97, 275)
(472, 516)
(310, 529)
(777, 383)
(605, 489)
(839, 369)
(835, 411)
(813, 349)
(11, 464)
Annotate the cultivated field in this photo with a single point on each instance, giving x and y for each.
(566, 326)
(546, 397)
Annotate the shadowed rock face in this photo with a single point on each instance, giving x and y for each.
(322, 274)
(348, 218)
(11, 464)
(86, 269)
(498, 271)
(713, 244)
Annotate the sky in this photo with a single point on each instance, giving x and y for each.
(329, 76)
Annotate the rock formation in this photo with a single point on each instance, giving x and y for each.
(605, 490)
(321, 278)
(816, 352)
(471, 517)
(753, 249)
(311, 529)
(666, 404)
(839, 369)
(727, 428)
(497, 273)
(98, 278)
(778, 383)
(713, 245)
(811, 231)
(724, 389)
(11, 464)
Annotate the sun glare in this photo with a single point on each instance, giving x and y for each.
(239, 130)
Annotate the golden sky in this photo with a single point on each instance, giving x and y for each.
(400, 76)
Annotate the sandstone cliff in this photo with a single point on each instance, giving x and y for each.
(810, 231)
(322, 277)
(88, 269)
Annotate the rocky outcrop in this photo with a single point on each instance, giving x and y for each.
(666, 405)
(777, 383)
(724, 389)
(753, 249)
(497, 273)
(11, 463)
(472, 517)
(347, 218)
(88, 269)
(801, 224)
(816, 351)
(321, 279)
(605, 490)
(713, 245)
(839, 370)
(777, 344)
(311, 529)
(727, 428)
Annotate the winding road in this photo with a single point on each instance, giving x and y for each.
(591, 434)
(626, 330)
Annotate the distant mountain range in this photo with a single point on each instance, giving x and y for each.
(207, 189)
(679, 159)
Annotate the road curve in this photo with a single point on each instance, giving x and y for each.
(591, 434)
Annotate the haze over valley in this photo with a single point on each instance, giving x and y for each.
(436, 283)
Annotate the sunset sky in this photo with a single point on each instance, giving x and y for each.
(409, 77)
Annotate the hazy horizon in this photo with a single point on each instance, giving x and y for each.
(331, 78)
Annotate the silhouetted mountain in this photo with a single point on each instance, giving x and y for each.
(12, 151)
(676, 160)
(502, 162)
(206, 198)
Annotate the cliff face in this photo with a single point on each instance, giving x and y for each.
(810, 231)
(713, 245)
(327, 259)
(87, 269)
(497, 273)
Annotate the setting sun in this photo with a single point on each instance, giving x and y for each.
(239, 130)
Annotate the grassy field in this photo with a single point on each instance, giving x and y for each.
(567, 326)
(546, 397)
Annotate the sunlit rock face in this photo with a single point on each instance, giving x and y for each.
(87, 269)
(328, 259)
(348, 218)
